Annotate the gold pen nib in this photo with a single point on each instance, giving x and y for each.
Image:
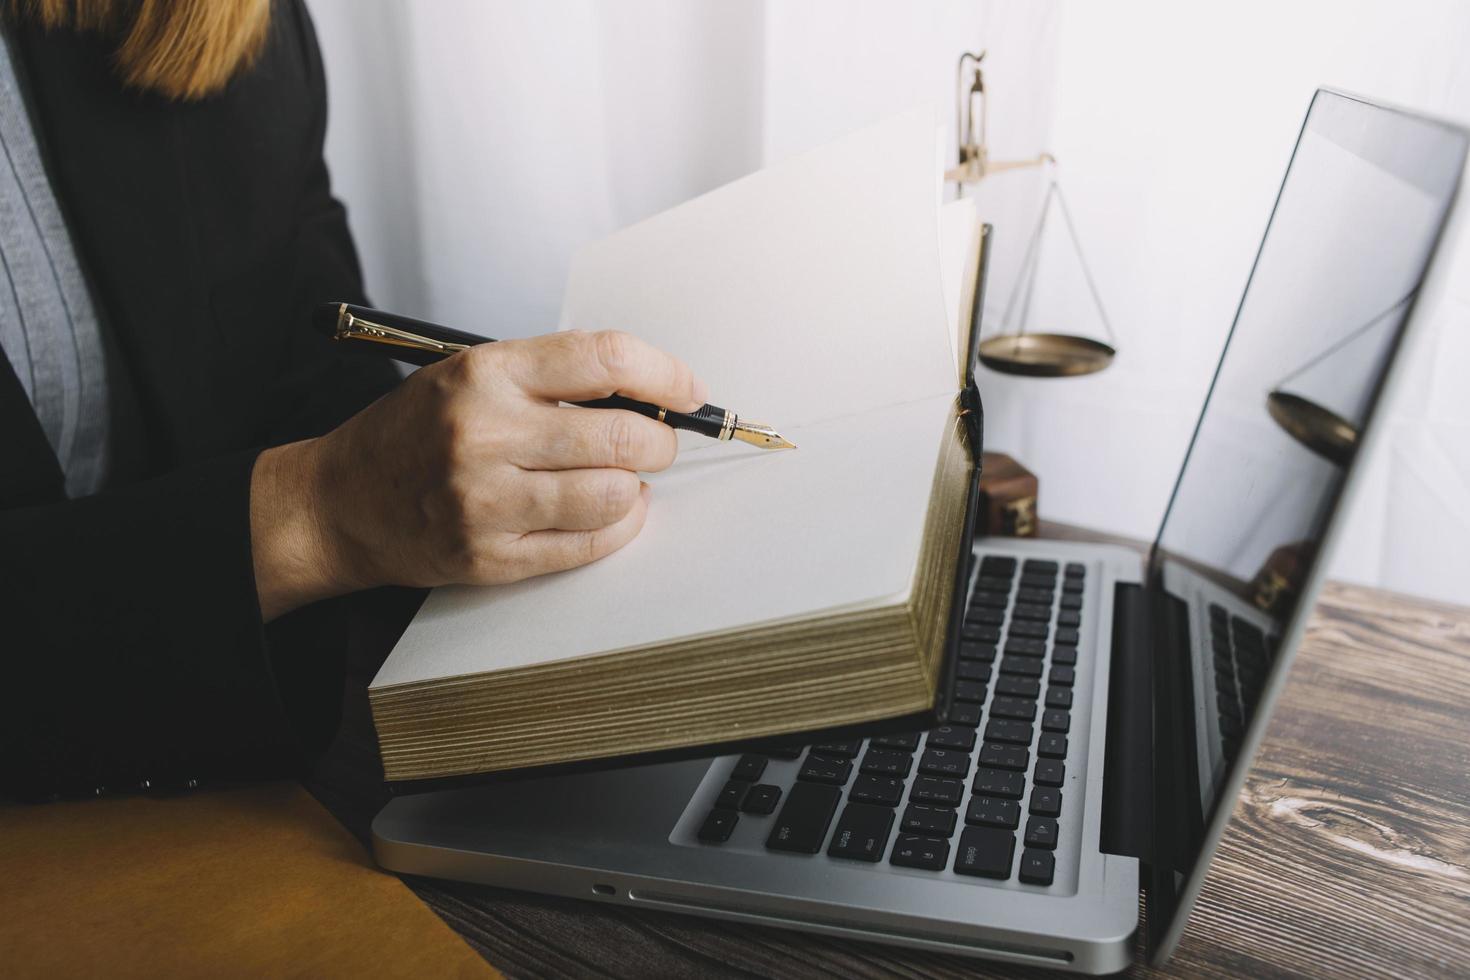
(760, 435)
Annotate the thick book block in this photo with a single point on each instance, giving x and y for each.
(768, 592)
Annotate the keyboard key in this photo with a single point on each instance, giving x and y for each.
(1230, 729)
(761, 799)
(983, 652)
(913, 851)
(1250, 660)
(1220, 643)
(945, 762)
(1038, 631)
(1023, 647)
(1247, 633)
(1014, 757)
(985, 852)
(1059, 697)
(1076, 569)
(987, 811)
(1046, 802)
(1070, 601)
(1041, 597)
(1000, 565)
(933, 789)
(1040, 614)
(1052, 746)
(999, 783)
(787, 752)
(1041, 832)
(994, 583)
(1056, 720)
(904, 741)
(862, 832)
(1229, 707)
(977, 633)
(990, 600)
(1067, 635)
(951, 737)
(928, 821)
(1225, 684)
(1039, 566)
(1062, 675)
(838, 750)
(718, 826)
(965, 713)
(1072, 586)
(1064, 655)
(886, 762)
(1050, 772)
(749, 768)
(969, 670)
(1016, 732)
(1021, 709)
(985, 616)
(1068, 617)
(801, 825)
(1037, 867)
(831, 771)
(882, 790)
(1021, 666)
(970, 691)
(731, 795)
(1018, 687)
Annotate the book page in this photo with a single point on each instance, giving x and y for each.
(808, 291)
(735, 537)
(958, 229)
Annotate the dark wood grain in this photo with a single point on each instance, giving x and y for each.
(1348, 854)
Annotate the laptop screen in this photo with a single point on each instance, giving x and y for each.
(1358, 216)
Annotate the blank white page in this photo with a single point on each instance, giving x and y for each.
(809, 290)
(958, 226)
(735, 537)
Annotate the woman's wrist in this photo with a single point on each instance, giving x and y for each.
(293, 544)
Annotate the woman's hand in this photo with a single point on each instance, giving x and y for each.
(470, 472)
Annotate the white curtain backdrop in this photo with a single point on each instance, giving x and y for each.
(477, 144)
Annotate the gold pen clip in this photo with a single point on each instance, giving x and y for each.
(351, 327)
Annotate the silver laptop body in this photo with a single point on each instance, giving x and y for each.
(1195, 674)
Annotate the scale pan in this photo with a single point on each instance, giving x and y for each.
(1324, 432)
(1044, 355)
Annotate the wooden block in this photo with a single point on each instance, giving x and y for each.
(1007, 497)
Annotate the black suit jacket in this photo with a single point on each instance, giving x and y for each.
(133, 648)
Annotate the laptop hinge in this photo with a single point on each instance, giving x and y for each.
(1128, 776)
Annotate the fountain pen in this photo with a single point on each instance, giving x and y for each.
(418, 342)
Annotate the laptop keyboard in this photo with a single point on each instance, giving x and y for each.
(981, 796)
(1242, 655)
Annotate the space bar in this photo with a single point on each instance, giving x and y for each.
(805, 816)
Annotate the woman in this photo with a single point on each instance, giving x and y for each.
(185, 491)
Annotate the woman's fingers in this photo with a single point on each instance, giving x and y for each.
(574, 366)
(566, 437)
(576, 500)
(540, 552)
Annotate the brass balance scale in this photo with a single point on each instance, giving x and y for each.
(1020, 351)
(1016, 350)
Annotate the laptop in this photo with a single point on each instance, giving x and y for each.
(1106, 703)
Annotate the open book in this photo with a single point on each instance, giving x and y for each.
(768, 593)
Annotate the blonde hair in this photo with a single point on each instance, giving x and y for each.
(182, 49)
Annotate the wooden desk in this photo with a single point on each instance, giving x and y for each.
(1348, 854)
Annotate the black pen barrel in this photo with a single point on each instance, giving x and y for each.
(412, 341)
(707, 420)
